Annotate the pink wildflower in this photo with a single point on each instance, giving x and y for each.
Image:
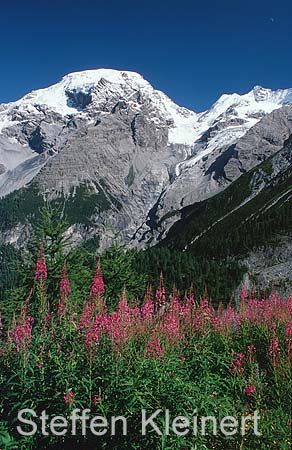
(171, 326)
(250, 390)
(98, 284)
(147, 310)
(20, 334)
(244, 294)
(154, 349)
(288, 335)
(123, 306)
(94, 331)
(171, 320)
(96, 399)
(251, 349)
(65, 291)
(274, 349)
(160, 296)
(41, 267)
(47, 319)
(65, 288)
(117, 330)
(206, 310)
(187, 310)
(237, 364)
(86, 317)
(69, 397)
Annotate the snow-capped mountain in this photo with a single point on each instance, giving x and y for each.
(111, 128)
(83, 93)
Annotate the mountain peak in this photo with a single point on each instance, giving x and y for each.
(278, 96)
(100, 90)
(94, 76)
(56, 96)
(88, 79)
(258, 88)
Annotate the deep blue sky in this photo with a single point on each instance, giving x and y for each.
(192, 50)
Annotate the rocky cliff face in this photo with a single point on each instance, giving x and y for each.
(110, 139)
(272, 267)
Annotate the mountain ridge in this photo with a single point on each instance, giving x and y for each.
(112, 128)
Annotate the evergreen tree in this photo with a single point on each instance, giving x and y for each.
(50, 230)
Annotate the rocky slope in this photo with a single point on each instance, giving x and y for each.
(123, 158)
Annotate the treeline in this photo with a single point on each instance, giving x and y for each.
(130, 269)
(8, 268)
(122, 268)
(185, 270)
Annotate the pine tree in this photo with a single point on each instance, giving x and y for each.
(50, 229)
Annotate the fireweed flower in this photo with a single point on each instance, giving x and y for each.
(97, 290)
(251, 349)
(147, 310)
(288, 335)
(94, 332)
(41, 267)
(86, 317)
(237, 364)
(20, 334)
(231, 318)
(97, 398)
(244, 294)
(225, 319)
(117, 331)
(69, 397)
(148, 295)
(91, 339)
(250, 390)
(206, 310)
(65, 288)
(187, 309)
(154, 349)
(65, 291)
(97, 286)
(267, 311)
(47, 319)
(160, 296)
(274, 348)
(123, 306)
(170, 324)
